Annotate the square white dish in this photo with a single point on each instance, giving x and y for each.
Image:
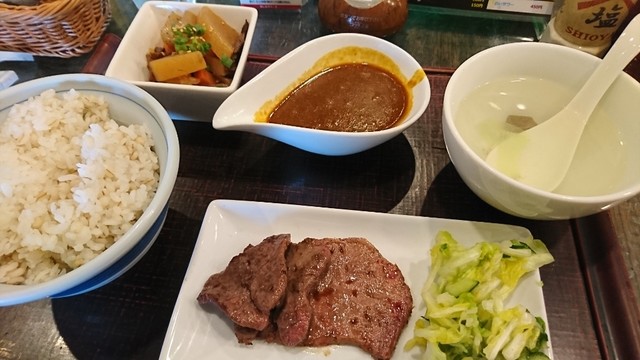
(183, 102)
(229, 226)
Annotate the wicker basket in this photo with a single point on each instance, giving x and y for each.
(58, 28)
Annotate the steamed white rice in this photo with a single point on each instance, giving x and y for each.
(72, 181)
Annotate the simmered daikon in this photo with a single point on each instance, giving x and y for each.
(174, 66)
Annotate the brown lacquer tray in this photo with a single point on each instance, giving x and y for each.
(590, 304)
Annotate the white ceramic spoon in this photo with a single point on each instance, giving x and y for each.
(541, 155)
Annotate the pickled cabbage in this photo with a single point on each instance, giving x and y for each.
(464, 295)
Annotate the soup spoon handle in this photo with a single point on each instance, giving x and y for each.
(624, 49)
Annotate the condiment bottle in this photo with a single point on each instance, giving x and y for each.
(373, 17)
(588, 25)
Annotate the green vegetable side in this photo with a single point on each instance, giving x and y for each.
(464, 296)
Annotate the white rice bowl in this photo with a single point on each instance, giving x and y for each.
(78, 190)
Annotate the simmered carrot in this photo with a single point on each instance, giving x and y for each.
(205, 78)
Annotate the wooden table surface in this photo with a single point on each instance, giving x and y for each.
(590, 290)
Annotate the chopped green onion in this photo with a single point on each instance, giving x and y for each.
(188, 38)
(226, 61)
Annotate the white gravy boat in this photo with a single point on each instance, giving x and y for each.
(238, 111)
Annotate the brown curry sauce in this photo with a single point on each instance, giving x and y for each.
(351, 89)
(350, 97)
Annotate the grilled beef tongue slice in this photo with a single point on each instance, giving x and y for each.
(252, 285)
(363, 300)
(307, 265)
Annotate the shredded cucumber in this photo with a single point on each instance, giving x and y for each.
(464, 294)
